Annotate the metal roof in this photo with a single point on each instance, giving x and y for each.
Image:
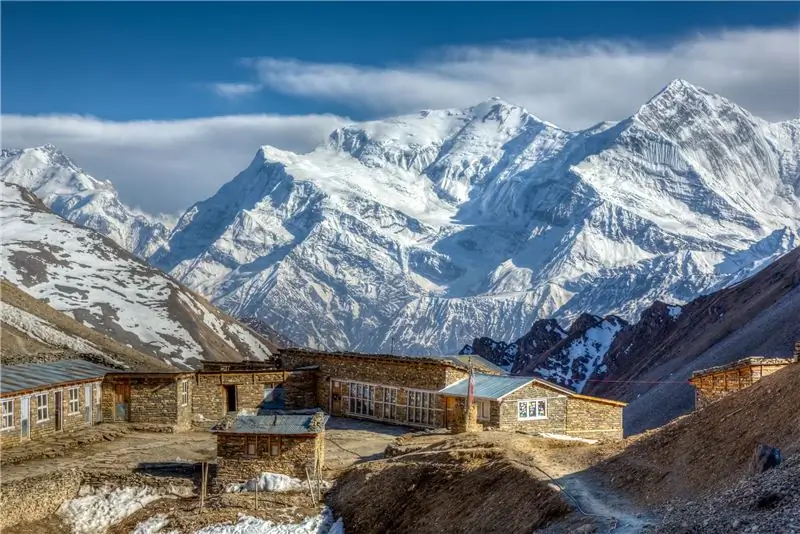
(488, 386)
(274, 424)
(39, 375)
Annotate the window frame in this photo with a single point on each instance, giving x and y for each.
(77, 400)
(423, 407)
(184, 392)
(527, 403)
(6, 414)
(488, 405)
(46, 407)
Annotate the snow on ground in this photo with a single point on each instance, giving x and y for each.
(674, 311)
(98, 508)
(562, 437)
(268, 482)
(154, 525)
(43, 331)
(320, 524)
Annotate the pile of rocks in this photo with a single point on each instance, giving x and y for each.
(768, 502)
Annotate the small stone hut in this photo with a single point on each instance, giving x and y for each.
(40, 399)
(224, 387)
(158, 399)
(382, 387)
(529, 404)
(289, 444)
(714, 383)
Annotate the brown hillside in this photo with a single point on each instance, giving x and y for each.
(711, 448)
(19, 347)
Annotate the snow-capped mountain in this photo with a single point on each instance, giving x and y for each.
(437, 227)
(427, 230)
(87, 276)
(69, 191)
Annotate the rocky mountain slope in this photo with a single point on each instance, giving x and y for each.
(80, 198)
(429, 229)
(35, 332)
(610, 357)
(87, 276)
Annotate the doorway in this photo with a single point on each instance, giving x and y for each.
(24, 418)
(122, 399)
(88, 403)
(230, 398)
(58, 408)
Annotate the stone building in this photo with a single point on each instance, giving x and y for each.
(289, 444)
(160, 399)
(395, 389)
(221, 388)
(40, 399)
(529, 404)
(715, 383)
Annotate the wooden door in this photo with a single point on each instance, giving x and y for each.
(88, 404)
(337, 389)
(122, 400)
(24, 418)
(58, 408)
(450, 412)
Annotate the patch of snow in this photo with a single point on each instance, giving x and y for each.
(563, 437)
(321, 524)
(154, 525)
(268, 482)
(96, 509)
(674, 312)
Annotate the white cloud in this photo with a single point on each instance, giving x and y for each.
(572, 84)
(165, 166)
(235, 90)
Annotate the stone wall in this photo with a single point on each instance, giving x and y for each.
(210, 399)
(296, 454)
(70, 421)
(711, 387)
(508, 416)
(593, 419)
(34, 498)
(336, 370)
(154, 400)
(300, 390)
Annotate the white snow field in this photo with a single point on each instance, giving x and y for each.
(427, 230)
(95, 509)
(268, 482)
(320, 524)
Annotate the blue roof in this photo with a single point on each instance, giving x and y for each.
(29, 376)
(488, 386)
(273, 424)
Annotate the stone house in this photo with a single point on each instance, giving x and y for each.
(529, 404)
(289, 444)
(715, 383)
(395, 389)
(40, 399)
(223, 387)
(161, 399)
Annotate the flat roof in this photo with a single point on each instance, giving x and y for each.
(744, 362)
(28, 376)
(451, 361)
(284, 424)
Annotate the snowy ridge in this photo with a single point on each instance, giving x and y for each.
(69, 191)
(81, 273)
(429, 229)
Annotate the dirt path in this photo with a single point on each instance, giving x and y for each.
(606, 508)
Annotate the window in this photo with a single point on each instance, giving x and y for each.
(484, 410)
(74, 401)
(184, 392)
(275, 447)
(532, 409)
(422, 407)
(273, 393)
(360, 399)
(387, 405)
(8, 415)
(41, 407)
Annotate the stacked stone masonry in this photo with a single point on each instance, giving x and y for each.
(716, 383)
(287, 455)
(384, 388)
(71, 419)
(149, 399)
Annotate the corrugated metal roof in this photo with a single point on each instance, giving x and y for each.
(274, 424)
(488, 386)
(37, 375)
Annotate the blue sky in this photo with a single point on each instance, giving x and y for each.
(98, 74)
